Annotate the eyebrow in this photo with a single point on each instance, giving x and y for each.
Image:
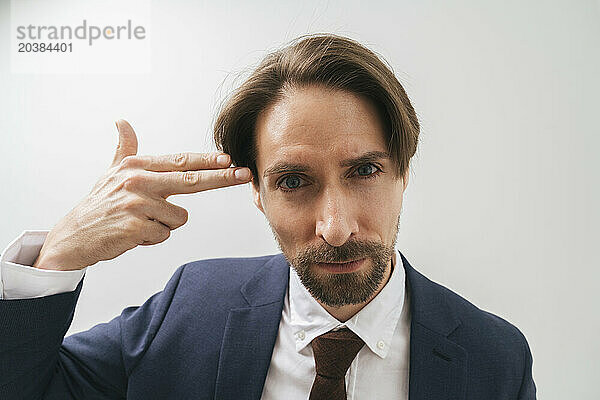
(362, 159)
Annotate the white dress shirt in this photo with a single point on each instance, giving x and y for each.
(19, 280)
(380, 370)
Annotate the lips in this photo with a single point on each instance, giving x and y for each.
(339, 262)
(342, 267)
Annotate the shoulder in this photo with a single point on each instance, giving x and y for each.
(218, 278)
(492, 342)
(497, 352)
(476, 320)
(229, 269)
(435, 302)
(488, 338)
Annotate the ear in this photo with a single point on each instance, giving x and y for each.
(256, 197)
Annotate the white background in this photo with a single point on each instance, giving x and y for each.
(502, 206)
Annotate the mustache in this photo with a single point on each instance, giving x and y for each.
(349, 251)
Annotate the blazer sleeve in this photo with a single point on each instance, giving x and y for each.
(37, 362)
(528, 389)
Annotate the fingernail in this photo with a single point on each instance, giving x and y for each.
(242, 174)
(223, 160)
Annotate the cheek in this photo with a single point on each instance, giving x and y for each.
(381, 198)
(375, 210)
(292, 224)
(380, 209)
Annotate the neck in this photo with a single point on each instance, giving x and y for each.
(344, 313)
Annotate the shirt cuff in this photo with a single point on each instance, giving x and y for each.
(20, 280)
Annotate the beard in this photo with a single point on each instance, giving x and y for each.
(339, 289)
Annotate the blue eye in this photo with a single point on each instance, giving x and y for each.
(365, 170)
(291, 182)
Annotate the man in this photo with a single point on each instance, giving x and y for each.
(325, 133)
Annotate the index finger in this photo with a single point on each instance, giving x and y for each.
(181, 161)
(169, 183)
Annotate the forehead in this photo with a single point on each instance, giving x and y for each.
(314, 122)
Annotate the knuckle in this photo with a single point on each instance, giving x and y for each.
(129, 162)
(209, 158)
(190, 178)
(132, 228)
(180, 159)
(229, 174)
(132, 182)
(133, 204)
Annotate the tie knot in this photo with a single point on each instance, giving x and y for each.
(334, 352)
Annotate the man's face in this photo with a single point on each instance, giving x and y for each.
(323, 202)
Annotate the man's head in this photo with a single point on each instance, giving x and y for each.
(328, 133)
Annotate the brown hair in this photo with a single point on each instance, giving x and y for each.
(317, 59)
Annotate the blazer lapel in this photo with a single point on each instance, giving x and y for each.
(438, 366)
(250, 333)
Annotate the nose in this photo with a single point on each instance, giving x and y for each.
(336, 221)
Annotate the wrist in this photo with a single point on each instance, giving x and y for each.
(53, 264)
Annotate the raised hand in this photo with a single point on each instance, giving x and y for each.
(127, 207)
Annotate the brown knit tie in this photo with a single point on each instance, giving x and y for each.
(334, 352)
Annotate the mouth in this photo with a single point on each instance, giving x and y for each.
(342, 267)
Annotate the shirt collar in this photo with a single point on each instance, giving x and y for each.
(374, 324)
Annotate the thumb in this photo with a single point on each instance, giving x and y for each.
(127, 142)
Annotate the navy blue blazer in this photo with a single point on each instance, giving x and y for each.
(210, 335)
